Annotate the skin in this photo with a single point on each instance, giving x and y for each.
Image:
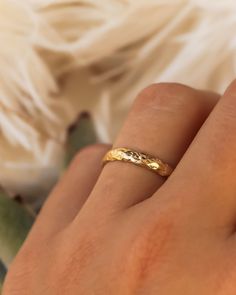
(124, 230)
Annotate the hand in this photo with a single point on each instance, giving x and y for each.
(123, 230)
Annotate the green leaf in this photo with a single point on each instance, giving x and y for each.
(81, 134)
(15, 223)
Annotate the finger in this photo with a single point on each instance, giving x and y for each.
(163, 121)
(72, 191)
(206, 174)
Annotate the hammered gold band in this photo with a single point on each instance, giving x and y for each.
(140, 159)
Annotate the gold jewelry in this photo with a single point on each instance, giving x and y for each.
(140, 159)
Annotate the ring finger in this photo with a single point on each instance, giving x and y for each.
(163, 122)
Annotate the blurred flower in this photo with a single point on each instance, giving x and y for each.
(59, 58)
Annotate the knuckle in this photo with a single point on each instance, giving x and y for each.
(170, 96)
(152, 243)
(72, 259)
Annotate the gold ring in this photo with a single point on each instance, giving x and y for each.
(140, 159)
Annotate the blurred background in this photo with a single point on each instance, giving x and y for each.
(69, 72)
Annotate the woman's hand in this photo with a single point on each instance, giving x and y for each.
(123, 230)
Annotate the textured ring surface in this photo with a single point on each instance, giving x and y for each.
(140, 159)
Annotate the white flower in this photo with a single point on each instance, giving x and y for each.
(60, 57)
